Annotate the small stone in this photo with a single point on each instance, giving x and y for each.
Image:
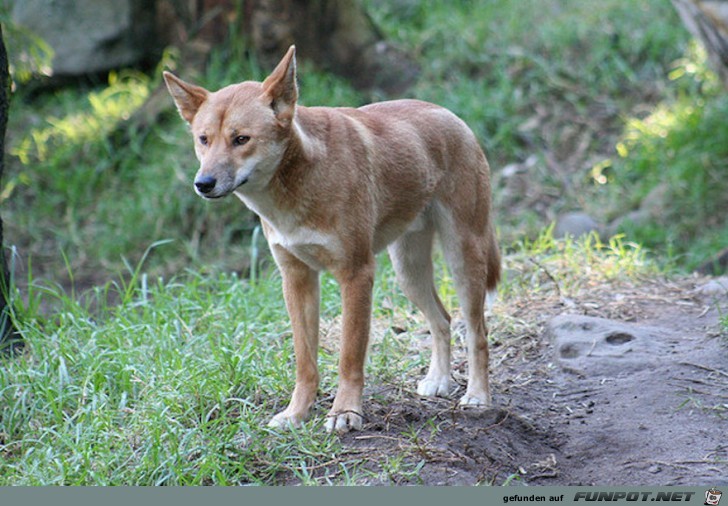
(718, 286)
(575, 224)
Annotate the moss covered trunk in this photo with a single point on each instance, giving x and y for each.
(708, 21)
(8, 334)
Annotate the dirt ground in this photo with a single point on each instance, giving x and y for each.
(654, 412)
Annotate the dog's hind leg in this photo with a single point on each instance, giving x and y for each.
(467, 247)
(411, 256)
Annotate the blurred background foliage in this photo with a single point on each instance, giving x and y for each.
(605, 107)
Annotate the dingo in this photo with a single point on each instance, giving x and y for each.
(332, 187)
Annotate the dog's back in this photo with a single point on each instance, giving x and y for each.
(409, 155)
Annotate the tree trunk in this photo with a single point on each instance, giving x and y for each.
(336, 34)
(708, 21)
(10, 339)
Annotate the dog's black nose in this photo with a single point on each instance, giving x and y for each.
(205, 184)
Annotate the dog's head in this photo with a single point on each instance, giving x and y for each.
(241, 131)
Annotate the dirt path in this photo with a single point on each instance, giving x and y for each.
(629, 388)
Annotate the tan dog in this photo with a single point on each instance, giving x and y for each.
(332, 187)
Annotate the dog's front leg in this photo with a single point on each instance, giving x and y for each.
(356, 300)
(301, 292)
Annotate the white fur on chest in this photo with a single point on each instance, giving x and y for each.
(315, 248)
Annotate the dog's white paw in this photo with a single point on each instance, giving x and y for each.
(475, 400)
(284, 420)
(344, 422)
(434, 387)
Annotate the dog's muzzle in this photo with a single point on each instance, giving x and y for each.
(205, 184)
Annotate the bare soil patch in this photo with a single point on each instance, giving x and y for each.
(564, 417)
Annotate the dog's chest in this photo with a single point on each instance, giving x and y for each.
(319, 250)
(316, 249)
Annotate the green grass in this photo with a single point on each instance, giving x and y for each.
(174, 383)
(574, 264)
(529, 76)
(493, 62)
(172, 386)
(680, 150)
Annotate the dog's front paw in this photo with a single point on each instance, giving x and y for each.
(285, 420)
(344, 421)
(471, 400)
(434, 387)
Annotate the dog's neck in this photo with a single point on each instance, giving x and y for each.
(298, 158)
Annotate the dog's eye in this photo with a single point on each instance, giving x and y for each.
(240, 140)
(203, 140)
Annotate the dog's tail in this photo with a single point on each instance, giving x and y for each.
(493, 275)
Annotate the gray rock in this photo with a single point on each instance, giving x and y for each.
(575, 224)
(637, 218)
(89, 35)
(597, 346)
(656, 201)
(717, 286)
(652, 208)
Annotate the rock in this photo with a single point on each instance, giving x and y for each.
(598, 346)
(575, 224)
(90, 36)
(652, 208)
(636, 218)
(715, 264)
(656, 201)
(717, 286)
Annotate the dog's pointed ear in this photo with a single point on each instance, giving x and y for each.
(280, 87)
(187, 97)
